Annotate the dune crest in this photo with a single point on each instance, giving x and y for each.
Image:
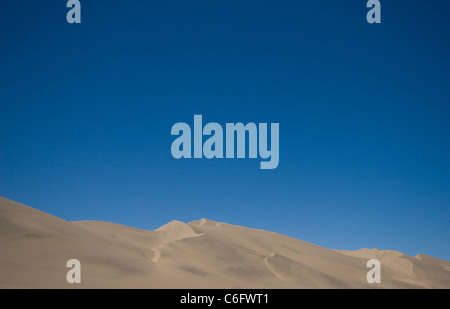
(204, 222)
(177, 230)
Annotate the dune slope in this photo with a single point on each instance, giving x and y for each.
(35, 247)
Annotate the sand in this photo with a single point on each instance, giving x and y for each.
(35, 247)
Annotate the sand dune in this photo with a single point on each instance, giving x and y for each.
(35, 247)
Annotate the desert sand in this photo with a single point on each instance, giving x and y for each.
(35, 247)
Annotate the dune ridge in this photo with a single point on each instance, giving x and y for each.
(199, 254)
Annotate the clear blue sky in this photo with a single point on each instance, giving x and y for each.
(86, 112)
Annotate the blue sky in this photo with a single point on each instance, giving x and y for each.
(86, 113)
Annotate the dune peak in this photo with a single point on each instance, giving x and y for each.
(177, 230)
(204, 222)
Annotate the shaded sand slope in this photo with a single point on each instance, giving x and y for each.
(422, 270)
(35, 247)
